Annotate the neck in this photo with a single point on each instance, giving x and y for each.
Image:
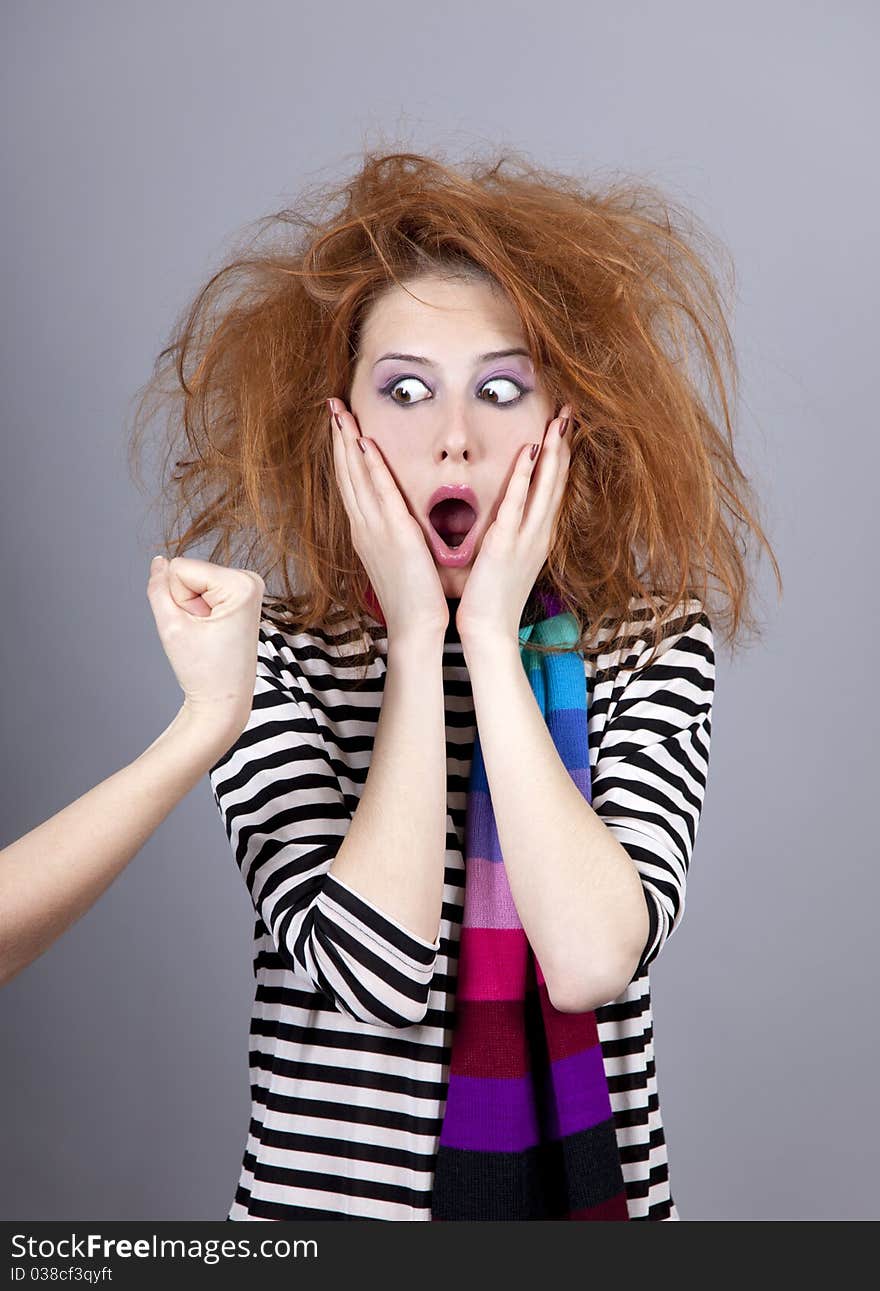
(451, 628)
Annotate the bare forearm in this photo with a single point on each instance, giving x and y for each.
(51, 876)
(578, 895)
(393, 853)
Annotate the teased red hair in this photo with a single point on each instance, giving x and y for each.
(622, 315)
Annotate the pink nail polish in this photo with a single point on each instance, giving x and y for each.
(362, 446)
(533, 451)
(564, 427)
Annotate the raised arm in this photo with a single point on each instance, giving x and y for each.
(52, 875)
(207, 617)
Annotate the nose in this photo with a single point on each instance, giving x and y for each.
(456, 438)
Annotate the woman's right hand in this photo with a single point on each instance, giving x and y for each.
(386, 536)
(208, 619)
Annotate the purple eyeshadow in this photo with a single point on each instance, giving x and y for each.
(509, 376)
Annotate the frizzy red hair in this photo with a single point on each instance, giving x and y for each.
(622, 317)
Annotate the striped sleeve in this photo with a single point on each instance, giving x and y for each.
(285, 815)
(650, 777)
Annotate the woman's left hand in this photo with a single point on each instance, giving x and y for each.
(515, 546)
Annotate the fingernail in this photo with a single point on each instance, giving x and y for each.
(156, 560)
(533, 451)
(564, 427)
(330, 405)
(338, 420)
(362, 445)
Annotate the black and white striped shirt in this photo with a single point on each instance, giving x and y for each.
(351, 1028)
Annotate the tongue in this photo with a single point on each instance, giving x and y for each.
(452, 517)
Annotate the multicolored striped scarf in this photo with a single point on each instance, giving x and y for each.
(528, 1129)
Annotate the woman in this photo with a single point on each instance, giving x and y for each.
(459, 409)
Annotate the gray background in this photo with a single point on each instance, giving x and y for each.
(137, 139)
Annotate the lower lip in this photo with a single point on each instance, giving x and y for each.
(452, 557)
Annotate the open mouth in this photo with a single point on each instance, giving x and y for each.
(453, 520)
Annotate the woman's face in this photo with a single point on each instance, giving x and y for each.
(446, 414)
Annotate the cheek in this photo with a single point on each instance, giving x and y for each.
(504, 464)
(403, 456)
(400, 459)
(389, 438)
(397, 454)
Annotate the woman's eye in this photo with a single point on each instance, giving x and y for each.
(397, 390)
(398, 385)
(504, 381)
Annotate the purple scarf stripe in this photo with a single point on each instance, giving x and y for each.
(581, 1092)
(490, 1115)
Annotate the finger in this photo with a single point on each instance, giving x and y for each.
(387, 492)
(196, 585)
(164, 604)
(509, 516)
(510, 513)
(358, 472)
(341, 460)
(548, 477)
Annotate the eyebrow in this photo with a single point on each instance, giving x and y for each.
(481, 358)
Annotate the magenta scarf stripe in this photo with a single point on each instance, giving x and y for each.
(492, 964)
